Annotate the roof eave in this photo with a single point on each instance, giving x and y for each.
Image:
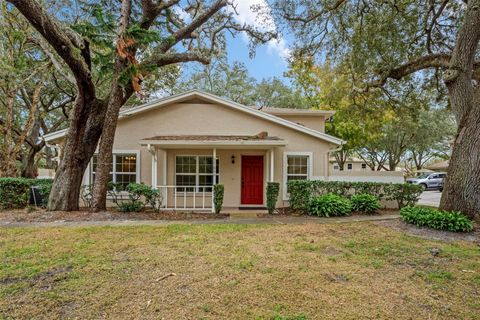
(216, 99)
(273, 143)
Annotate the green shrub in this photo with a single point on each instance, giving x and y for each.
(406, 194)
(131, 206)
(151, 195)
(436, 219)
(272, 196)
(14, 192)
(302, 191)
(86, 194)
(44, 187)
(329, 205)
(365, 203)
(218, 193)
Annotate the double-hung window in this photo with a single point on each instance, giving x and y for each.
(297, 166)
(196, 173)
(124, 169)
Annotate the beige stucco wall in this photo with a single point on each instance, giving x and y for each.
(356, 166)
(211, 119)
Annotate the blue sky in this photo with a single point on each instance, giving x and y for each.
(266, 63)
(270, 60)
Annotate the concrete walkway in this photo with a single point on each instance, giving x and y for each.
(266, 220)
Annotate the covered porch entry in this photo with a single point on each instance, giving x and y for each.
(185, 169)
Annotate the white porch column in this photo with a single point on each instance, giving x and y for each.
(153, 152)
(214, 176)
(165, 167)
(327, 166)
(272, 165)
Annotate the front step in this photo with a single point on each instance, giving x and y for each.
(243, 214)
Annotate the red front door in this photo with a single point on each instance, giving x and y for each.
(252, 179)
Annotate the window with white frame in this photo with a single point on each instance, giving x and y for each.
(297, 166)
(349, 166)
(336, 167)
(195, 172)
(124, 169)
(364, 166)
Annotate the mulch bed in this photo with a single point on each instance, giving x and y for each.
(41, 215)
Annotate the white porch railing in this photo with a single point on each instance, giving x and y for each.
(186, 197)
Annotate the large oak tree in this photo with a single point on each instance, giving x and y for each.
(109, 47)
(431, 41)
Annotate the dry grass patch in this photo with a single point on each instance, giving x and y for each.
(346, 271)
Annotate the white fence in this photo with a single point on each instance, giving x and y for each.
(367, 176)
(186, 197)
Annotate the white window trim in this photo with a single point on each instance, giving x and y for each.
(197, 171)
(285, 164)
(118, 151)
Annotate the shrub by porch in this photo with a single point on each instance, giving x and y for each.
(303, 191)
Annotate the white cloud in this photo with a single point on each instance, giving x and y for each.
(182, 14)
(262, 20)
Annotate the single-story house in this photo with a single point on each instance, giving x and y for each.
(185, 143)
(439, 166)
(352, 164)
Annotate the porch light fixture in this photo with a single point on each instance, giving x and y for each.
(233, 159)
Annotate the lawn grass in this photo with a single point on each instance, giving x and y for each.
(344, 271)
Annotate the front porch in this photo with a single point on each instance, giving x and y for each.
(184, 170)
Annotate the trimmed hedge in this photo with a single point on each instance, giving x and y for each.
(15, 192)
(218, 193)
(436, 219)
(272, 196)
(302, 191)
(329, 205)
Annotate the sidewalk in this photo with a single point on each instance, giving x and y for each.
(266, 220)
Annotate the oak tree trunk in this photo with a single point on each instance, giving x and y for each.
(104, 158)
(117, 98)
(462, 185)
(29, 165)
(81, 142)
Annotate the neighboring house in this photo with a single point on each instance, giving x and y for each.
(352, 164)
(439, 166)
(170, 143)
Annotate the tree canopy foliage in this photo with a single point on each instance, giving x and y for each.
(427, 43)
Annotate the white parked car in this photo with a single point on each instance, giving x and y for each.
(429, 180)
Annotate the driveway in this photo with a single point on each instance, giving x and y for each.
(430, 198)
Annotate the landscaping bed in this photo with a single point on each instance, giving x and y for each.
(41, 215)
(289, 212)
(432, 234)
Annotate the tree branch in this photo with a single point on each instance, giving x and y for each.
(187, 31)
(64, 40)
(437, 60)
(171, 58)
(56, 64)
(316, 15)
